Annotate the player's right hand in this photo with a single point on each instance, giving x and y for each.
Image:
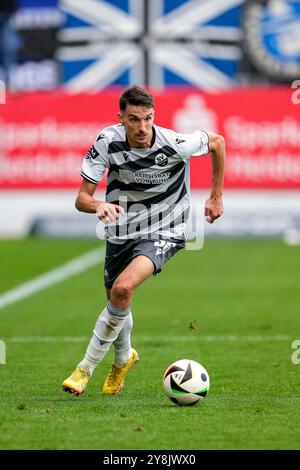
(108, 212)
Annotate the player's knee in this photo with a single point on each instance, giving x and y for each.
(122, 290)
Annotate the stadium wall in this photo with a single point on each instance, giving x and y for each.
(44, 137)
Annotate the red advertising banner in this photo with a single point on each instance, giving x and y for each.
(43, 137)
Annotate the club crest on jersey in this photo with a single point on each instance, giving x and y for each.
(161, 159)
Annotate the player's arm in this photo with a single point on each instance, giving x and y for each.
(214, 204)
(85, 202)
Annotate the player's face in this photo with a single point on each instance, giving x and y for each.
(138, 121)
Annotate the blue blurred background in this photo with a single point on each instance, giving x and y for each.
(91, 44)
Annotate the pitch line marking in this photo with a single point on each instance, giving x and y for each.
(70, 268)
(143, 338)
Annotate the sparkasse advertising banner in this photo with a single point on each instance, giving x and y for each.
(43, 137)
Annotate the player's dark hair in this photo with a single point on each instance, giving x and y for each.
(137, 96)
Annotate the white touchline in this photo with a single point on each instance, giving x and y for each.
(150, 339)
(69, 269)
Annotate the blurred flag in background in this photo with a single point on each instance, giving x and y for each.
(210, 44)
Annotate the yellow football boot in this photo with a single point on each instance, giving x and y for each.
(115, 380)
(77, 382)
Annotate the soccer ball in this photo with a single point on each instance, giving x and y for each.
(186, 382)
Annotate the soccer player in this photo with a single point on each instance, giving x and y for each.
(145, 212)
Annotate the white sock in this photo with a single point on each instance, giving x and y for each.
(107, 329)
(122, 344)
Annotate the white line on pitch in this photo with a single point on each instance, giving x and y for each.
(65, 271)
(150, 339)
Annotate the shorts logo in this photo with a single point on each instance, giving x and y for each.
(163, 247)
(161, 159)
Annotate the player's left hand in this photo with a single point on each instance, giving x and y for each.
(213, 208)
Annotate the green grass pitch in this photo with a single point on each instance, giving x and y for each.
(233, 306)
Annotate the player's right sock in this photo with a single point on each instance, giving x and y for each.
(122, 345)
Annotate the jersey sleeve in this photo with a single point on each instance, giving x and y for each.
(95, 161)
(195, 145)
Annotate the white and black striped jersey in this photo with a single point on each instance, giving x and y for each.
(151, 184)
